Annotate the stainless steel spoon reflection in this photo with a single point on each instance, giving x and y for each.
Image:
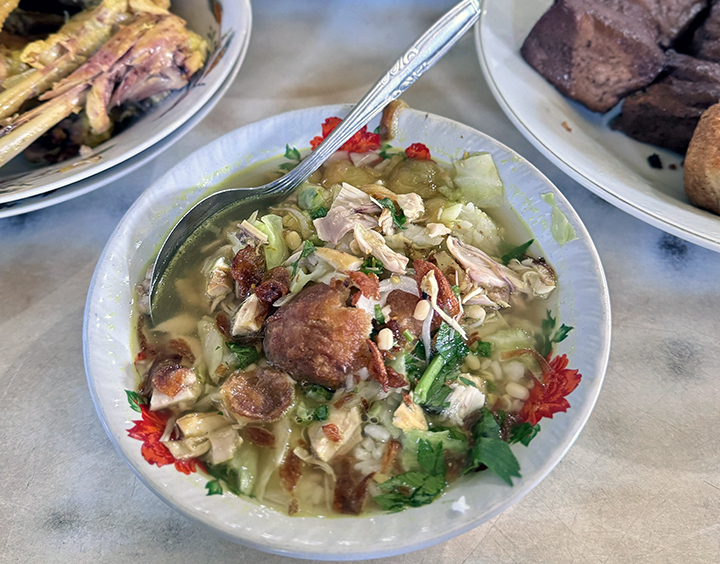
(423, 54)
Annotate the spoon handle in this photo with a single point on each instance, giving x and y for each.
(423, 54)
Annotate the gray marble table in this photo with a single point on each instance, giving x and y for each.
(640, 485)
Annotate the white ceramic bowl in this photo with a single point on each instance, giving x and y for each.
(226, 26)
(583, 303)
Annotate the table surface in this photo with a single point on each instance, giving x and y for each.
(642, 482)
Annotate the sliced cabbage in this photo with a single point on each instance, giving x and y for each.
(309, 196)
(276, 250)
(510, 339)
(213, 344)
(478, 179)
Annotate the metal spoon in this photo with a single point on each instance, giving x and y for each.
(423, 54)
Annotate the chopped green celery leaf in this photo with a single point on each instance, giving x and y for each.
(468, 382)
(483, 349)
(135, 400)
(245, 354)
(490, 386)
(478, 180)
(399, 218)
(318, 393)
(524, 433)
(518, 252)
(488, 426)
(416, 488)
(414, 364)
(431, 459)
(287, 166)
(438, 393)
(491, 451)
(214, 487)
(450, 345)
(307, 250)
(547, 337)
(379, 317)
(291, 153)
(319, 212)
(497, 456)
(453, 440)
(372, 265)
(321, 413)
(562, 333)
(225, 473)
(411, 480)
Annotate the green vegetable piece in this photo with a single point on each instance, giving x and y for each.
(245, 354)
(468, 382)
(318, 393)
(224, 473)
(421, 392)
(450, 345)
(379, 317)
(399, 218)
(319, 212)
(321, 413)
(483, 349)
(518, 252)
(548, 338)
(307, 250)
(276, 250)
(409, 337)
(292, 153)
(491, 451)
(372, 265)
(431, 459)
(524, 433)
(309, 197)
(414, 488)
(214, 488)
(478, 179)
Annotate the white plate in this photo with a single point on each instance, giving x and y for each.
(99, 180)
(228, 40)
(582, 302)
(609, 163)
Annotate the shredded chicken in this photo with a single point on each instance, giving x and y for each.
(372, 243)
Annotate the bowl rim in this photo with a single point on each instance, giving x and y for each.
(581, 412)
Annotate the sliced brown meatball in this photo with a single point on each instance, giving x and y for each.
(316, 338)
(262, 395)
(402, 306)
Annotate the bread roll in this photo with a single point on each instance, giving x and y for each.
(702, 162)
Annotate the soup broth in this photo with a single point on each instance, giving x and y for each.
(359, 346)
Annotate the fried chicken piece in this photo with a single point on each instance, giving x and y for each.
(316, 338)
